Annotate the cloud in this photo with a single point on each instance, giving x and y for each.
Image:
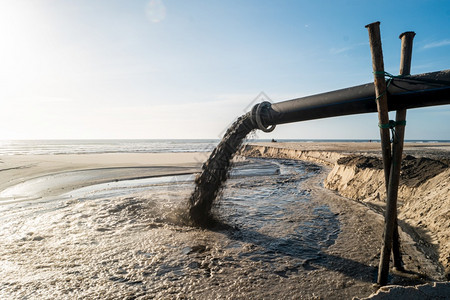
(437, 44)
(155, 11)
(340, 50)
(346, 49)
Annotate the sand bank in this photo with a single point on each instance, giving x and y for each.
(349, 258)
(289, 238)
(356, 173)
(22, 176)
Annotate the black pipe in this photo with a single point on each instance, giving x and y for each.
(429, 89)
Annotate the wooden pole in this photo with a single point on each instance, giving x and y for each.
(383, 117)
(400, 119)
(380, 94)
(406, 52)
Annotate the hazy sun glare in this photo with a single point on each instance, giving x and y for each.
(36, 70)
(162, 69)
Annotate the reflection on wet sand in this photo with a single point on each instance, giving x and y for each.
(126, 240)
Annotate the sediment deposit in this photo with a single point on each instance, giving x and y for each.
(356, 173)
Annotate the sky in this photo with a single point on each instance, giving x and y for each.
(181, 69)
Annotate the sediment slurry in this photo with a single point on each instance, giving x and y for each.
(283, 236)
(424, 202)
(209, 182)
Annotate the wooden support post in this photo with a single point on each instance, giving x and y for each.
(380, 94)
(383, 117)
(406, 52)
(400, 119)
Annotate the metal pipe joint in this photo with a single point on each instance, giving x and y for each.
(261, 112)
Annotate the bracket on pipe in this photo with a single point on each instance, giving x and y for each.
(257, 111)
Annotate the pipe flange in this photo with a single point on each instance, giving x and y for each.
(259, 123)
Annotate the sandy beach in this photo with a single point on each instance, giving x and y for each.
(355, 172)
(131, 245)
(80, 170)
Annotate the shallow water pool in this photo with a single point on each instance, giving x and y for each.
(126, 239)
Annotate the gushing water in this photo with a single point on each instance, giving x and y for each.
(215, 171)
(123, 240)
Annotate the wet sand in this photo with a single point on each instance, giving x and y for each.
(356, 172)
(49, 175)
(131, 246)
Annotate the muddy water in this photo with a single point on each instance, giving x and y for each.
(215, 170)
(125, 239)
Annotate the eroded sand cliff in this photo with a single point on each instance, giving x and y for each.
(424, 192)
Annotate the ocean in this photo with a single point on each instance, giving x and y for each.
(41, 147)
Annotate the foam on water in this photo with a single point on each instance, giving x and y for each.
(215, 170)
(42, 147)
(126, 239)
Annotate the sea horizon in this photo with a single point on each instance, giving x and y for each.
(96, 146)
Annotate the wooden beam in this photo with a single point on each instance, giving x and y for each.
(383, 117)
(397, 151)
(380, 94)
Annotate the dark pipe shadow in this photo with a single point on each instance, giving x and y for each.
(312, 257)
(268, 248)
